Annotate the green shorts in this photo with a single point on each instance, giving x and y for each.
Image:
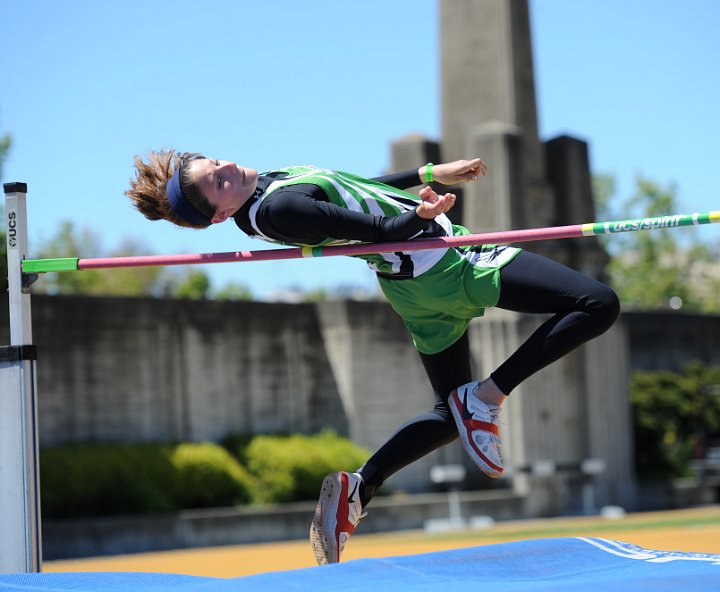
(438, 305)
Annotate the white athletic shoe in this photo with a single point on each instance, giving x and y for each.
(336, 516)
(477, 425)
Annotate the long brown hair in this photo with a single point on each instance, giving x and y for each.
(147, 188)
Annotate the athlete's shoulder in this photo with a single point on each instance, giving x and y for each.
(296, 171)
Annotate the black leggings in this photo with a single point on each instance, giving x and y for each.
(582, 309)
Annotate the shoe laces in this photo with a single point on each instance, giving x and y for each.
(494, 412)
(355, 509)
(355, 514)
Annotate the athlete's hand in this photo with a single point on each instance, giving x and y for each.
(432, 204)
(459, 171)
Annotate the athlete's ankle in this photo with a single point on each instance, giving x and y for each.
(488, 392)
(367, 485)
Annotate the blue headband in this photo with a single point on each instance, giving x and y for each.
(180, 203)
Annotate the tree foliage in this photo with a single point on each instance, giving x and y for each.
(182, 282)
(195, 285)
(658, 269)
(5, 143)
(233, 291)
(85, 243)
(676, 416)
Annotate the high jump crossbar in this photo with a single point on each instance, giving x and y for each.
(503, 237)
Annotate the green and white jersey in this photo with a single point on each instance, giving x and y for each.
(360, 195)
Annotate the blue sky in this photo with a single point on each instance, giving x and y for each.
(86, 85)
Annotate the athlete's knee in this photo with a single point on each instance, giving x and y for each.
(606, 309)
(442, 410)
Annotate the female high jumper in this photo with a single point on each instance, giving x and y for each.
(436, 292)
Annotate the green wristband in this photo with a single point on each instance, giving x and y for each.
(428, 172)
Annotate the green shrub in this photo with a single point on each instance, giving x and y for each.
(674, 415)
(237, 445)
(79, 480)
(102, 479)
(91, 480)
(208, 475)
(291, 468)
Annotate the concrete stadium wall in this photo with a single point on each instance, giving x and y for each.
(137, 369)
(142, 369)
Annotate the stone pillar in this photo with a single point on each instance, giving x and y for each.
(487, 72)
(609, 414)
(337, 340)
(568, 171)
(487, 80)
(412, 151)
(496, 201)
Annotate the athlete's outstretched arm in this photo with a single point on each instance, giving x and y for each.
(449, 173)
(458, 171)
(293, 216)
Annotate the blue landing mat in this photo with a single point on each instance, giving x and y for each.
(587, 564)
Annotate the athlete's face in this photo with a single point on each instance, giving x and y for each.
(226, 185)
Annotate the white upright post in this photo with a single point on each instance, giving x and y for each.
(20, 542)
